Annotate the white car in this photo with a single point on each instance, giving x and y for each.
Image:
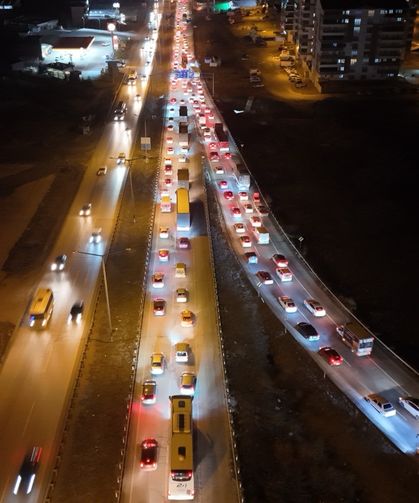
(164, 232)
(157, 363)
(284, 274)
(315, 308)
(248, 208)
(288, 304)
(256, 221)
(219, 170)
(96, 236)
(182, 350)
(181, 295)
(243, 196)
(157, 280)
(245, 241)
(381, 405)
(239, 228)
(411, 405)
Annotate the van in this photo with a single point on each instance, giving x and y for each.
(180, 270)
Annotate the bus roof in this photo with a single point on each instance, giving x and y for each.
(358, 330)
(182, 200)
(181, 452)
(40, 301)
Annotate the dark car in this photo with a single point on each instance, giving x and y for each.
(59, 263)
(76, 312)
(307, 331)
(27, 473)
(148, 459)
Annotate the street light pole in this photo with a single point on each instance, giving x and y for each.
(105, 282)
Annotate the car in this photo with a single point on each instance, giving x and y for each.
(163, 255)
(315, 307)
(245, 241)
(331, 356)
(76, 312)
(148, 456)
(243, 196)
(248, 208)
(182, 295)
(164, 232)
(169, 140)
(148, 392)
(256, 221)
(214, 157)
(256, 197)
(251, 257)
(184, 243)
(263, 210)
(280, 260)
(223, 184)
(143, 78)
(96, 236)
(172, 101)
(168, 169)
(228, 195)
(121, 159)
(219, 170)
(187, 383)
(182, 352)
(159, 307)
(170, 150)
(381, 404)
(157, 363)
(186, 318)
(182, 102)
(102, 171)
(213, 145)
(157, 280)
(239, 228)
(27, 473)
(59, 263)
(207, 133)
(167, 182)
(227, 155)
(299, 84)
(284, 274)
(265, 278)
(137, 98)
(182, 158)
(235, 211)
(411, 405)
(86, 210)
(170, 127)
(307, 331)
(287, 303)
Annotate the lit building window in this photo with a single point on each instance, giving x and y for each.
(357, 29)
(354, 61)
(371, 13)
(357, 21)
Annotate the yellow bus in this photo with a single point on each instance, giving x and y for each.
(41, 308)
(181, 478)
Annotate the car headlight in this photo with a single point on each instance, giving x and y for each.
(53, 267)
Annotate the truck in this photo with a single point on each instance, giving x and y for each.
(184, 62)
(222, 137)
(242, 176)
(183, 135)
(183, 216)
(183, 178)
(165, 204)
(262, 235)
(183, 113)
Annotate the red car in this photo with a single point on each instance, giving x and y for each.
(228, 195)
(280, 260)
(223, 184)
(168, 170)
(168, 182)
(172, 101)
(148, 459)
(331, 356)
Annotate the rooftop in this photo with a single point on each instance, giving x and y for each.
(68, 43)
(364, 4)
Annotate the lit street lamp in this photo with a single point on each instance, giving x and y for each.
(111, 29)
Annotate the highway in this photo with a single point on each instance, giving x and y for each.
(213, 462)
(37, 375)
(382, 372)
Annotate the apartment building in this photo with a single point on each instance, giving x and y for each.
(349, 40)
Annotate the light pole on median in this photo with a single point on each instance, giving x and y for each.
(105, 282)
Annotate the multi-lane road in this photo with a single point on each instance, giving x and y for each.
(37, 374)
